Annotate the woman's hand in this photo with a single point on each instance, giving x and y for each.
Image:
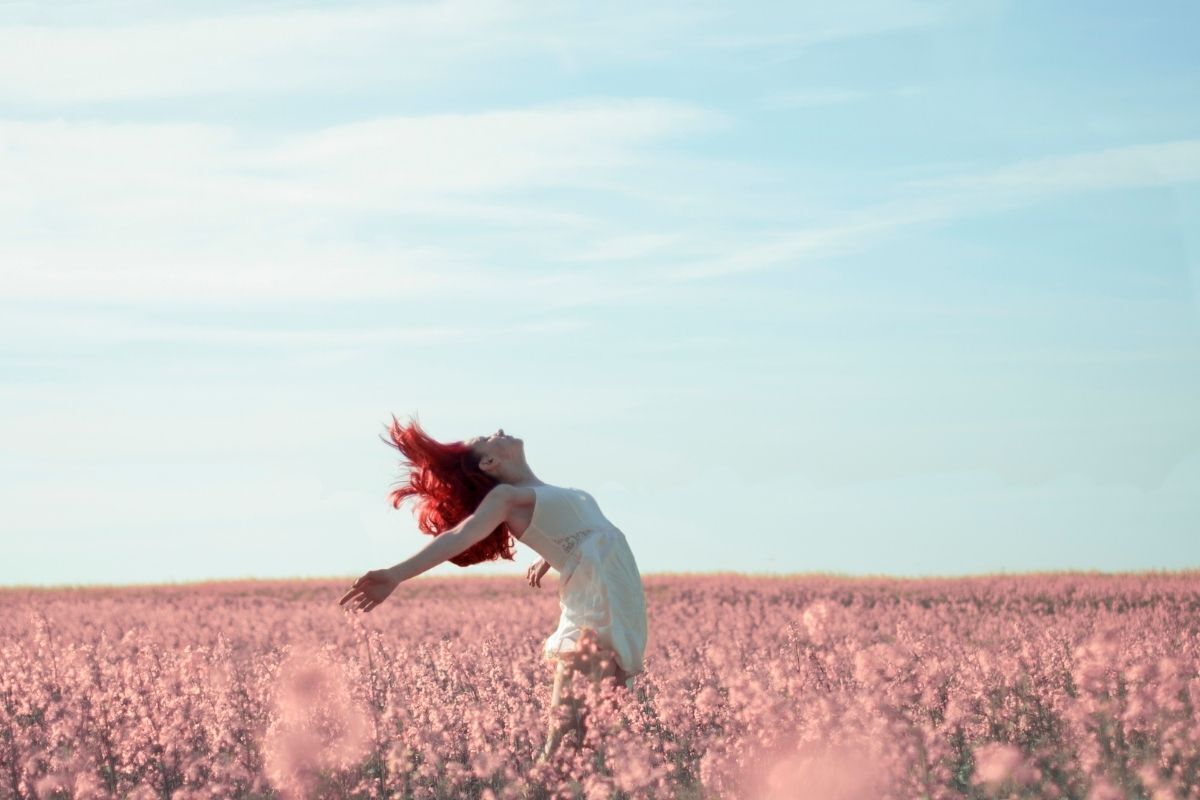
(370, 590)
(536, 570)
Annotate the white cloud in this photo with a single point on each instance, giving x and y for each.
(142, 211)
(618, 246)
(852, 233)
(556, 145)
(942, 199)
(308, 48)
(38, 332)
(1154, 164)
(762, 27)
(779, 249)
(241, 270)
(404, 163)
(104, 57)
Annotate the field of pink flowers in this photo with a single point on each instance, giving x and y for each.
(1040, 686)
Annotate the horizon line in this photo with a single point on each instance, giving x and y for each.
(1181, 572)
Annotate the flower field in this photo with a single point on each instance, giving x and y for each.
(1037, 686)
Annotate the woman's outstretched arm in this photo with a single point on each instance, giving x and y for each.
(374, 587)
(493, 510)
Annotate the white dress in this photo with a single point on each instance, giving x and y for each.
(599, 586)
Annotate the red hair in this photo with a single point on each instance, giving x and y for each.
(449, 486)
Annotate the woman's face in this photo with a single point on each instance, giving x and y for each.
(499, 446)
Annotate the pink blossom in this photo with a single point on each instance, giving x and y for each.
(996, 762)
(753, 686)
(1103, 789)
(824, 773)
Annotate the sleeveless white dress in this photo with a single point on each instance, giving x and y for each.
(599, 586)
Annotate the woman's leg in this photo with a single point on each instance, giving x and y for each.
(594, 666)
(602, 667)
(560, 697)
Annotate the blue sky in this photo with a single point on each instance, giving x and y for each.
(889, 288)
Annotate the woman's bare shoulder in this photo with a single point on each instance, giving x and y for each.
(515, 495)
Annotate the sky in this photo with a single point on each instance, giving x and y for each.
(880, 287)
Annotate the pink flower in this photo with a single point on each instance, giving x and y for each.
(996, 762)
(49, 784)
(708, 699)
(1102, 789)
(824, 772)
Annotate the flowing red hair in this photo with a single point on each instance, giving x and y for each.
(449, 486)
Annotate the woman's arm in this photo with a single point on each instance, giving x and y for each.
(377, 585)
(535, 572)
(493, 510)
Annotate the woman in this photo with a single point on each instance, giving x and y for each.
(471, 496)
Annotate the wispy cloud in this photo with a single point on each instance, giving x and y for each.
(230, 269)
(792, 248)
(43, 331)
(759, 27)
(558, 145)
(1153, 164)
(310, 48)
(158, 211)
(618, 246)
(392, 162)
(942, 199)
(192, 211)
(193, 50)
